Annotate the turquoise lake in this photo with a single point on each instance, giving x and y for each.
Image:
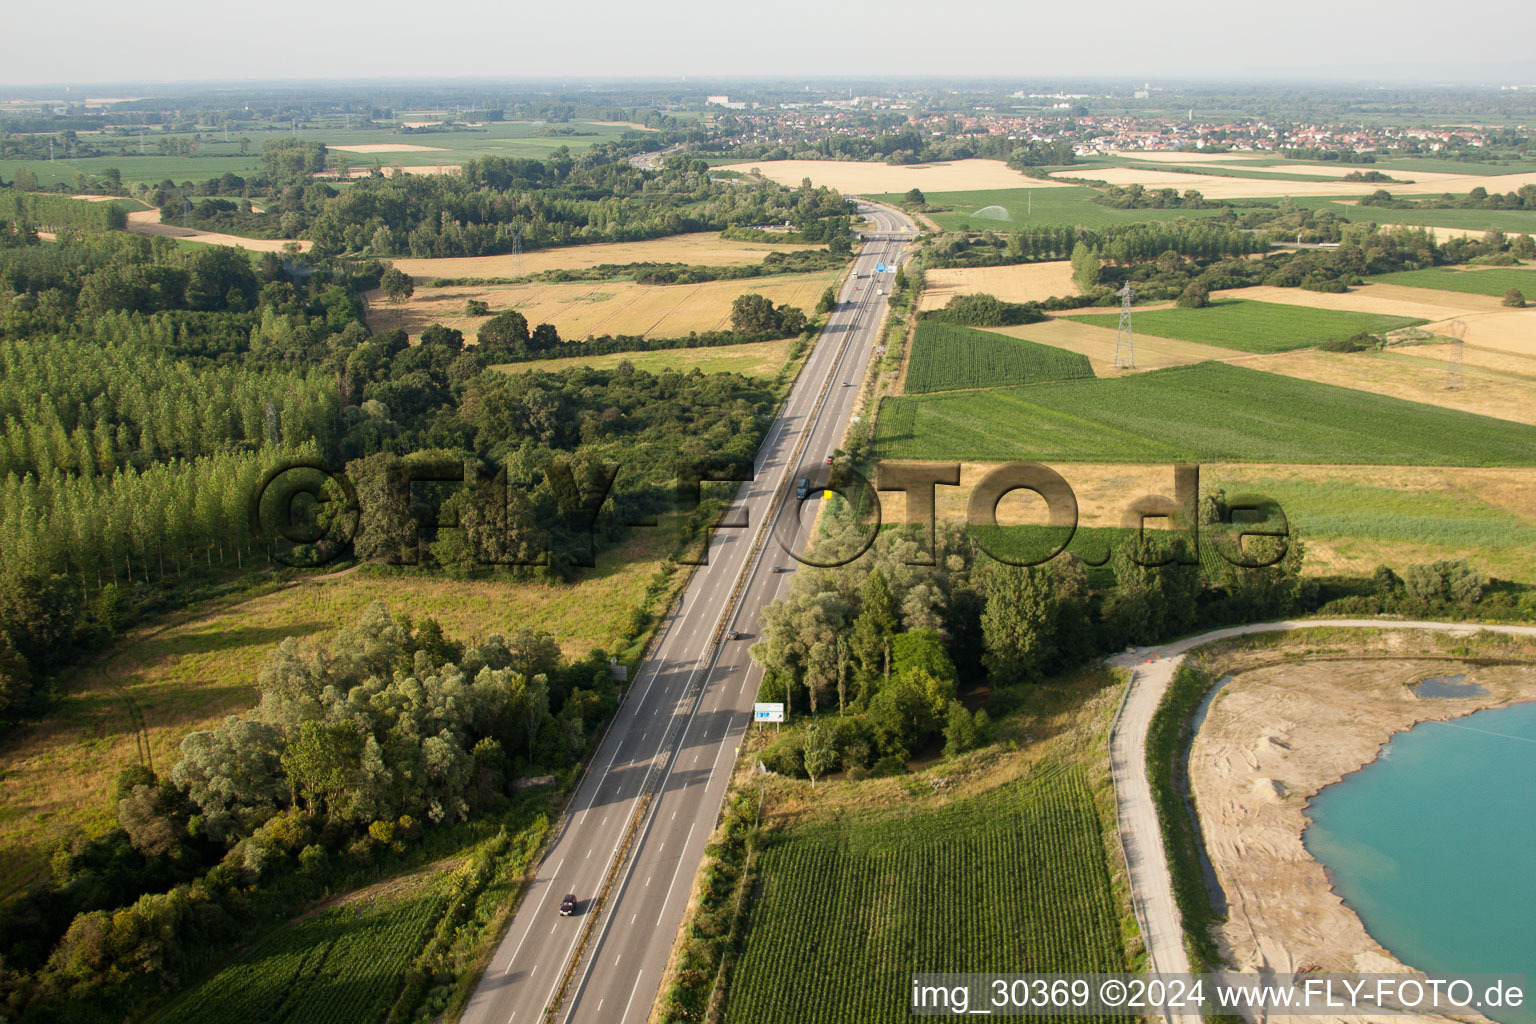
(1434, 846)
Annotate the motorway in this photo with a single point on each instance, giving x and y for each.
(676, 733)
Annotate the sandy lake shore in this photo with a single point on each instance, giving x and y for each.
(1273, 738)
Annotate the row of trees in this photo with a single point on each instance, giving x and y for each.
(888, 644)
(32, 210)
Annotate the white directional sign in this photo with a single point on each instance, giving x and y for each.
(767, 712)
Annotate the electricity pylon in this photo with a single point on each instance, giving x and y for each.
(1125, 341)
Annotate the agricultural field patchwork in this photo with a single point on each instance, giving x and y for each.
(1462, 221)
(56, 775)
(1200, 413)
(1033, 204)
(867, 178)
(1491, 281)
(1012, 880)
(1351, 518)
(216, 155)
(947, 357)
(1254, 326)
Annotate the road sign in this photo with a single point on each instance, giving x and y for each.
(879, 268)
(767, 712)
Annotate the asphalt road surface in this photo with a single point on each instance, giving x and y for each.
(675, 735)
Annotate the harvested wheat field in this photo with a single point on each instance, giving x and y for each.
(388, 147)
(1412, 373)
(754, 359)
(699, 248)
(856, 176)
(147, 222)
(1472, 355)
(1340, 170)
(1462, 184)
(1503, 330)
(1024, 282)
(1098, 344)
(583, 309)
(1213, 187)
(1389, 299)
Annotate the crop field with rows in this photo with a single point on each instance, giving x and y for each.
(947, 357)
(1014, 880)
(1495, 281)
(1208, 412)
(1250, 326)
(344, 966)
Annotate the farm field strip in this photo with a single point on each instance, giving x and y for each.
(1380, 299)
(1352, 518)
(1413, 373)
(1013, 880)
(1207, 412)
(1098, 344)
(1023, 282)
(1493, 281)
(947, 357)
(753, 359)
(1252, 326)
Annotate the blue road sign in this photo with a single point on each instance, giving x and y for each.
(879, 268)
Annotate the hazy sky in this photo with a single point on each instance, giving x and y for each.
(176, 40)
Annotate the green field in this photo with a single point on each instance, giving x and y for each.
(947, 357)
(345, 964)
(1508, 221)
(845, 913)
(1493, 281)
(215, 157)
(1250, 326)
(1038, 208)
(1207, 412)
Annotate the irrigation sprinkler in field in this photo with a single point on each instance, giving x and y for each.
(1457, 331)
(1125, 340)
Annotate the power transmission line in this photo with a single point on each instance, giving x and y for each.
(1457, 329)
(1125, 340)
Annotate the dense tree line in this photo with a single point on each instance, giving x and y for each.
(1139, 197)
(900, 143)
(1478, 198)
(496, 202)
(888, 644)
(1121, 243)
